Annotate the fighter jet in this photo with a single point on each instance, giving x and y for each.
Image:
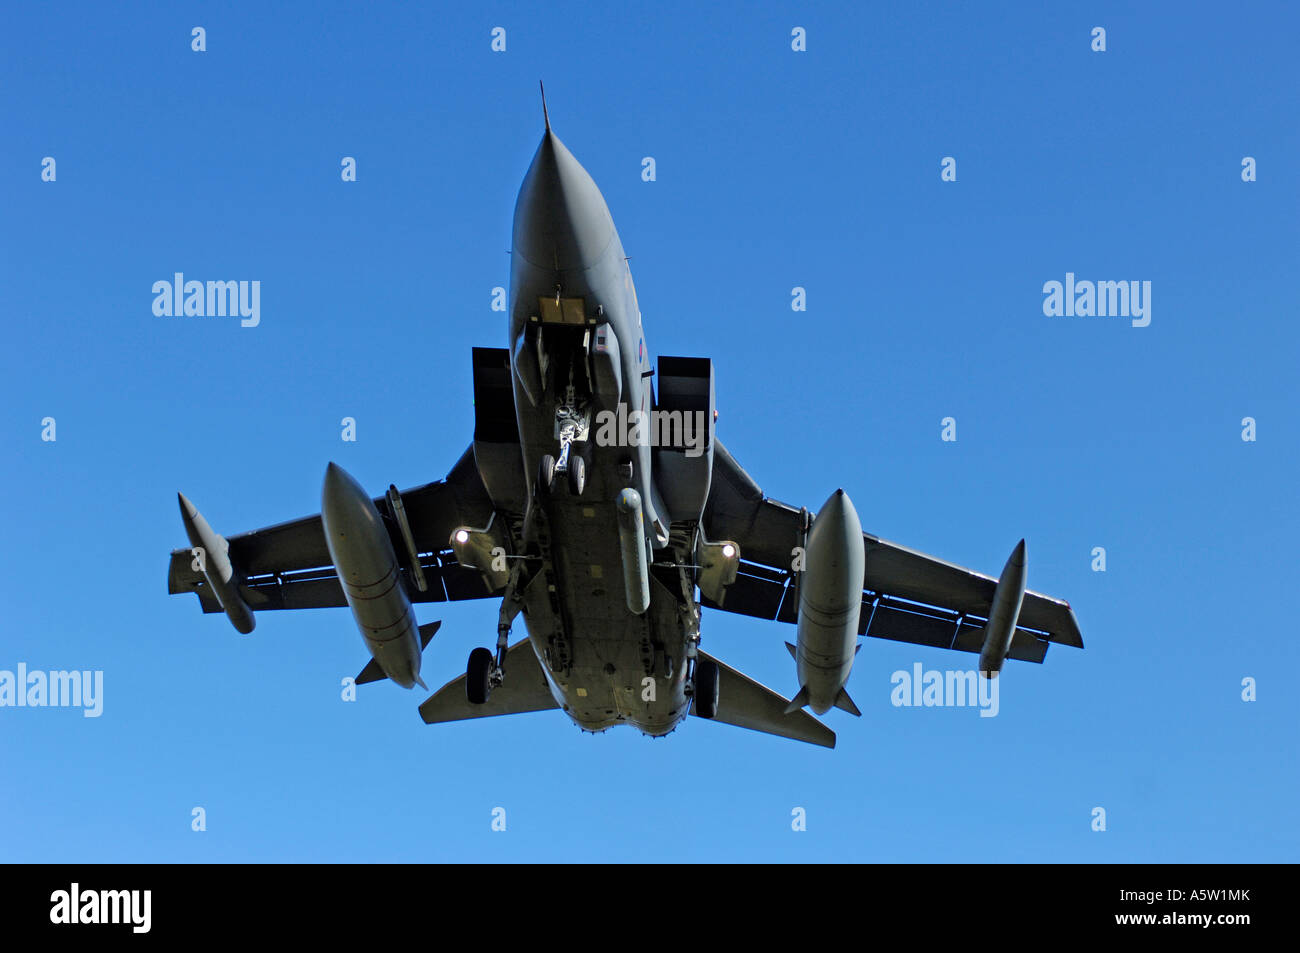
(597, 502)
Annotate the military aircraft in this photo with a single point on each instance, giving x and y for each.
(597, 501)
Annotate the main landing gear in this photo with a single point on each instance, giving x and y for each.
(487, 670)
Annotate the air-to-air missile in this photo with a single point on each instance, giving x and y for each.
(1004, 614)
(217, 569)
(368, 570)
(830, 603)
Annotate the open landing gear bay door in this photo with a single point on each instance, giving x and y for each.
(907, 596)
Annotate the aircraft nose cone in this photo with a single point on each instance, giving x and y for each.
(561, 220)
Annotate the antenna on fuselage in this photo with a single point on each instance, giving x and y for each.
(545, 115)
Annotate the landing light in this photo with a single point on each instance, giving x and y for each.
(462, 536)
(728, 551)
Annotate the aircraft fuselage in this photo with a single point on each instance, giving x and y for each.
(570, 282)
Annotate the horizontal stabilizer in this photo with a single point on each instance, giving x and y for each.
(745, 703)
(525, 689)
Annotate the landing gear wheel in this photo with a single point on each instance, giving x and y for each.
(706, 688)
(477, 676)
(577, 476)
(546, 473)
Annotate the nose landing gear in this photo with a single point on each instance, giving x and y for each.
(572, 425)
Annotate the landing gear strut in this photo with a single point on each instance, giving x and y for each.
(702, 674)
(487, 670)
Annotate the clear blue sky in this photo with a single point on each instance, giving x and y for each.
(775, 169)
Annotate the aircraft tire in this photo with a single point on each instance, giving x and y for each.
(577, 475)
(545, 473)
(476, 676)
